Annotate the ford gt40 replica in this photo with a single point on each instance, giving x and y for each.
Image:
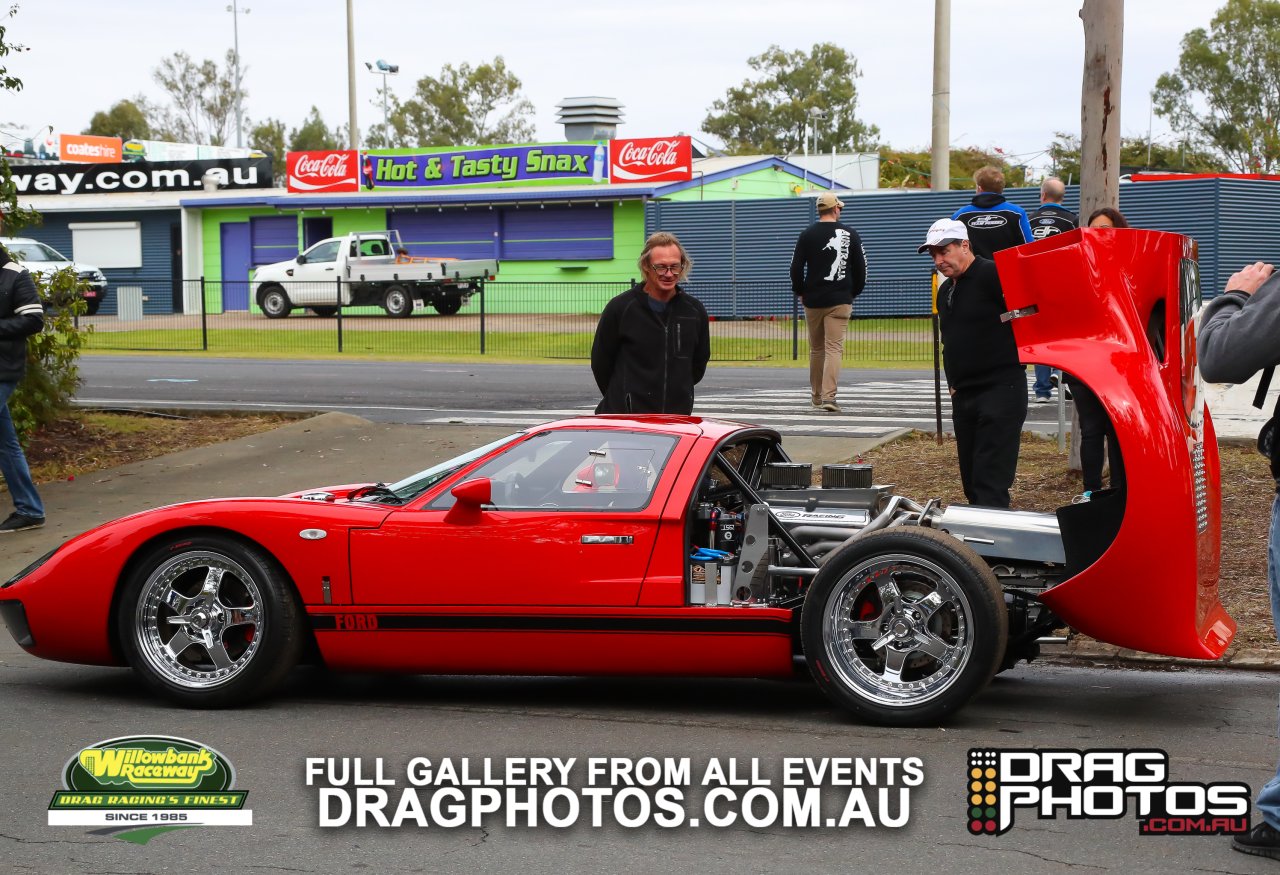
(665, 545)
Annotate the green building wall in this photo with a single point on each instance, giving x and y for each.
(767, 183)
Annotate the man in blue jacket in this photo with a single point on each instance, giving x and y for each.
(993, 222)
(21, 315)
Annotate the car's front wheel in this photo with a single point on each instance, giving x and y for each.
(903, 626)
(209, 621)
(275, 302)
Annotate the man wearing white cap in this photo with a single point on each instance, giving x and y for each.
(987, 382)
(828, 270)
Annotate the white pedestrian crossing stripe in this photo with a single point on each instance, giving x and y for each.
(868, 409)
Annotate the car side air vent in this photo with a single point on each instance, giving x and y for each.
(846, 477)
(787, 475)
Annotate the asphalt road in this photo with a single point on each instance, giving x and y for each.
(1215, 725)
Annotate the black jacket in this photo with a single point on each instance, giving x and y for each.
(21, 315)
(1052, 219)
(645, 362)
(994, 223)
(978, 350)
(829, 266)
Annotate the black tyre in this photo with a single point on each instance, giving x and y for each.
(448, 306)
(91, 306)
(274, 302)
(398, 302)
(324, 312)
(903, 626)
(210, 622)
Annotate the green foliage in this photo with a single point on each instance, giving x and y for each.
(268, 136)
(899, 169)
(127, 119)
(8, 82)
(53, 355)
(1173, 158)
(313, 135)
(1225, 95)
(203, 96)
(768, 114)
(464, 105)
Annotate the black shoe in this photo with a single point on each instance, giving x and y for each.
(1261, 841)
(19, 523)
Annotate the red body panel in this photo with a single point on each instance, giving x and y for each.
(1156, 587)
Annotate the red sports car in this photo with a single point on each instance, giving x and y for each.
(685, 546)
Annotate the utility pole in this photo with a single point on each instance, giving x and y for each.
(352, 131)
(1100, 105)
(236, 11)
(940, 165)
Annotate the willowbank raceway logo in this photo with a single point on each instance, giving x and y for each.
(138, 787)
(1098, 785)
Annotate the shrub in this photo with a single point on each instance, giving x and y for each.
(53, 370)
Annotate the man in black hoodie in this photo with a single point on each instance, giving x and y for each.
(21, 315)
(653, 341)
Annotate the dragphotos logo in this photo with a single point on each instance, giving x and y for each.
(1098, 785)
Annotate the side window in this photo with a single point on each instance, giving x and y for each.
(324, 252)
(577, 470)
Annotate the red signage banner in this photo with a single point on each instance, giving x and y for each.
(322, 171)
(653, 159)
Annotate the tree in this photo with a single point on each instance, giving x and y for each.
(53, 374)
(768, 115)
(1064, 151)
(910, 169)
(204, 99)
(268, 136)
(127, 119)
(313, 136)
(463, 106)
(1225, 94)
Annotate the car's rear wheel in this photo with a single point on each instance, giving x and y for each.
(209, 621)
(91, 306)
(275, 302)
(397, 302)
(903, 626)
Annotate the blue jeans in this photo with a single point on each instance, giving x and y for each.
(1269, 796)
(1042, 387)
(13, 464)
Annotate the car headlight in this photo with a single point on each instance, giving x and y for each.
(30, 568)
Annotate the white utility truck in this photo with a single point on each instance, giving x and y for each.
(374, 271)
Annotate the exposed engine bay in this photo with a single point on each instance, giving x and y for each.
(760, 532)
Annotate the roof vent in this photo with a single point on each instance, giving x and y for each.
(589, 118)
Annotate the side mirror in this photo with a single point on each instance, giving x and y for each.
(302, 259)
(469, 497)
(474, 493)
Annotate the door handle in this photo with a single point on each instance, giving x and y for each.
(607, 539)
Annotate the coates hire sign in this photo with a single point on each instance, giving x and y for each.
(665, 159)
(97, 150)
(231, 173)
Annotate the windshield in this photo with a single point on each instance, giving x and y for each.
(413, 486)
(34, 252)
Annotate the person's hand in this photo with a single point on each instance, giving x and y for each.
(1249, 278)
(951, 389)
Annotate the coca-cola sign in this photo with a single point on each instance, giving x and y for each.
(323, 171)
(653, 159)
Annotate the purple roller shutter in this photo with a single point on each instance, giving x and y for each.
(274, 238)
(455, 234)
(557, 232)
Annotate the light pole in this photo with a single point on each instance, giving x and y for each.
(382, 67)
(815, 113)
(235, 33)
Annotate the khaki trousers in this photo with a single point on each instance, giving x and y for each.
(827, 327)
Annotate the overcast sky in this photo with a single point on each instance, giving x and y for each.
(1015, 79)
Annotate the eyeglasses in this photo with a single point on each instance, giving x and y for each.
(662, 269)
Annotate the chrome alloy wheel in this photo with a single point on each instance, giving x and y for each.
(199, 620)
(898, 629)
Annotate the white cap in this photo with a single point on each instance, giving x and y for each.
(942, 232)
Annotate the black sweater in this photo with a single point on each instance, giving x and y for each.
(978, 350)
(829, 266)
(645, 362)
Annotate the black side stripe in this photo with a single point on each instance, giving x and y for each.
(504, 623)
